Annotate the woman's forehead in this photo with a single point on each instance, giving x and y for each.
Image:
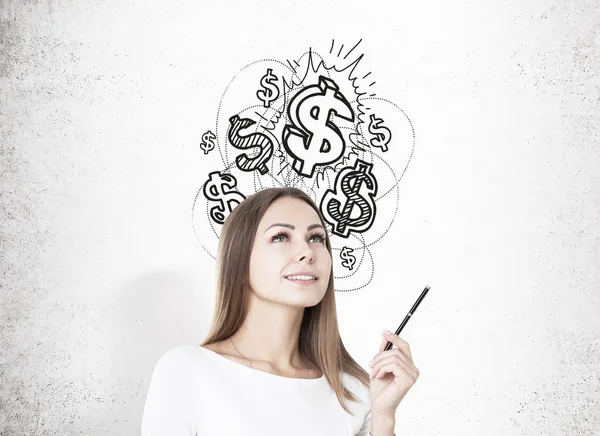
(293, 211)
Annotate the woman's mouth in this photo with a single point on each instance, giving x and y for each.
(303, 281)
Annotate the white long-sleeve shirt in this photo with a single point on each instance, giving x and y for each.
(197, 392)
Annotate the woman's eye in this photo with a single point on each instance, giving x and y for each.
(321, 237)
(279, 235)
(284, 234)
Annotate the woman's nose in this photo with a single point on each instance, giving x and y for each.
(306, 253)
(310, 258)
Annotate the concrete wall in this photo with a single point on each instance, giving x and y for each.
(102, 107)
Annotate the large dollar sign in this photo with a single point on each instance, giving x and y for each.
(256, 139)
(382, 134)
(354, 188)
(208, 143)
(313, 138)
(220, 187)
(270, 91)
(348, 257)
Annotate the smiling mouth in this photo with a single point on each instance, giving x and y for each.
(302, 281)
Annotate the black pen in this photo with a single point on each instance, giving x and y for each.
(407, 317)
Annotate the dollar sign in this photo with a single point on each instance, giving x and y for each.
(338, 204)
(270, 91)
(220, 188)
(382, 134)
(313, 138)
(207, 143)
(349, 259)
(256, 139)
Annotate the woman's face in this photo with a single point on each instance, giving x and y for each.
(289, 240)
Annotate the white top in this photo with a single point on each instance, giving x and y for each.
(197, 392)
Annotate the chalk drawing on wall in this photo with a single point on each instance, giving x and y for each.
(316, 124)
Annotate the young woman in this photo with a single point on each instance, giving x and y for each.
(273, 362)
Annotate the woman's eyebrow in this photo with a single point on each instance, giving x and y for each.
(289, 226)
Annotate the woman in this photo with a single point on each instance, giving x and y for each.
(274, 362)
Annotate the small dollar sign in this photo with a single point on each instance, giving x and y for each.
(313, 138)
(270, 91)
(256, 139)
(354, 188)
(207, 143)
(349, 259)
(382, 134)
(220, 188)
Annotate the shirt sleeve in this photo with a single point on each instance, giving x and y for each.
(365, 429)
(169, 401)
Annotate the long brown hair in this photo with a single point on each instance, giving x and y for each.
(320, 343)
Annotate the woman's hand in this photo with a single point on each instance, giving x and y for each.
(392, 376)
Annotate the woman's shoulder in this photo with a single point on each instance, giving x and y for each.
(185, 362)
(356, 386)
(175, 358)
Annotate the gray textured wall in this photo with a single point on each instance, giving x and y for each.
(102, 105)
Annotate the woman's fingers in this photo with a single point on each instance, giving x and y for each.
(398, 368)
(402, 352)
(384, 342)
(398, 342)
(394, 355)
